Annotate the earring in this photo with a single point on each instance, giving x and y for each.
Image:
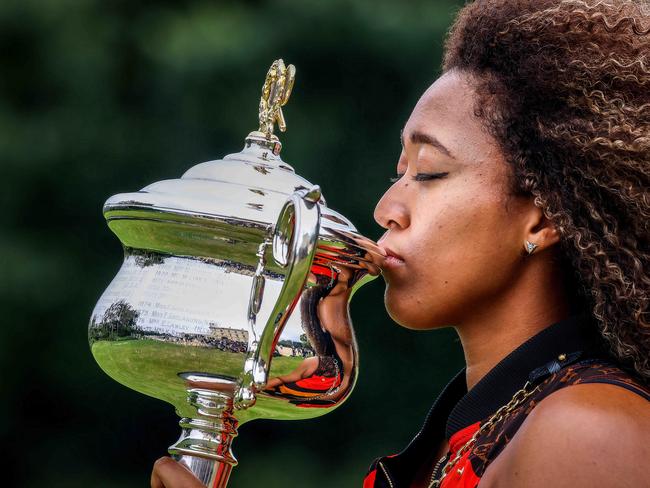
(530, 247)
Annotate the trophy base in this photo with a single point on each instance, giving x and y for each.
(204, 445)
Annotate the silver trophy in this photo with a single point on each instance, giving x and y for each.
(232, 301)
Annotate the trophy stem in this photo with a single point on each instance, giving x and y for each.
(212, 474)
(205, 442)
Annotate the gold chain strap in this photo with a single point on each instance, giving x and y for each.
(518, 398)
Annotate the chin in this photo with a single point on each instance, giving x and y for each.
(409, 314)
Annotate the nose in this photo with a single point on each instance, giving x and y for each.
(391, 211)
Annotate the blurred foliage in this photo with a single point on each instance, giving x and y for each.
(99, 97)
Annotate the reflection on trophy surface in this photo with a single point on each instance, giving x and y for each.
(232, 301)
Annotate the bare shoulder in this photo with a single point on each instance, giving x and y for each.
(584, 435)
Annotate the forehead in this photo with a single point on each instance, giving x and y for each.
(450, 97)
(446, 111)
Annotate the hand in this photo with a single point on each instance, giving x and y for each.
(167, 473)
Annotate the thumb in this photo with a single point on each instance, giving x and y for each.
(168, 473)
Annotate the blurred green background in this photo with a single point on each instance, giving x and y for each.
(99, 97)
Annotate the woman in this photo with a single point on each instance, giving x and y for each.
(320, 380)
(519, 216)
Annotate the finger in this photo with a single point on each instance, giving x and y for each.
(167, 473)
(156, 482)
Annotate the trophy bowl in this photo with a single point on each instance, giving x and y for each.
(232, 302)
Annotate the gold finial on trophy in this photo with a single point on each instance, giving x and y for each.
(275, 93)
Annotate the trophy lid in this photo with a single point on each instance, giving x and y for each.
(248, 186)
(235, 199)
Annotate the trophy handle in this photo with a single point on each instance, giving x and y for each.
(294, 245)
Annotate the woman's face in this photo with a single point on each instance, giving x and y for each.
(459, 232)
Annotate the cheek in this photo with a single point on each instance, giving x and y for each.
(454, 237)
(462, 256)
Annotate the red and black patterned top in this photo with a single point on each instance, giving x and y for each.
(566, 353)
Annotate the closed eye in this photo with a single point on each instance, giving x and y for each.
(420, 176)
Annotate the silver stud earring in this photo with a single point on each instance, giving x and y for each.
(530, 247)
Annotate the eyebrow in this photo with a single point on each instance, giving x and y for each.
(422, 138)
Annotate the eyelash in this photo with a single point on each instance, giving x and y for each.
(419, 177)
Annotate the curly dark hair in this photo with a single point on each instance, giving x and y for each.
(564, 87)
(321, 341)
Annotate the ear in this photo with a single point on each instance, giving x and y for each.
(538, 229)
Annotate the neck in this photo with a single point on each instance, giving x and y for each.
(535, 301)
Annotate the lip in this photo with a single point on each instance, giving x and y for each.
(392, 259)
